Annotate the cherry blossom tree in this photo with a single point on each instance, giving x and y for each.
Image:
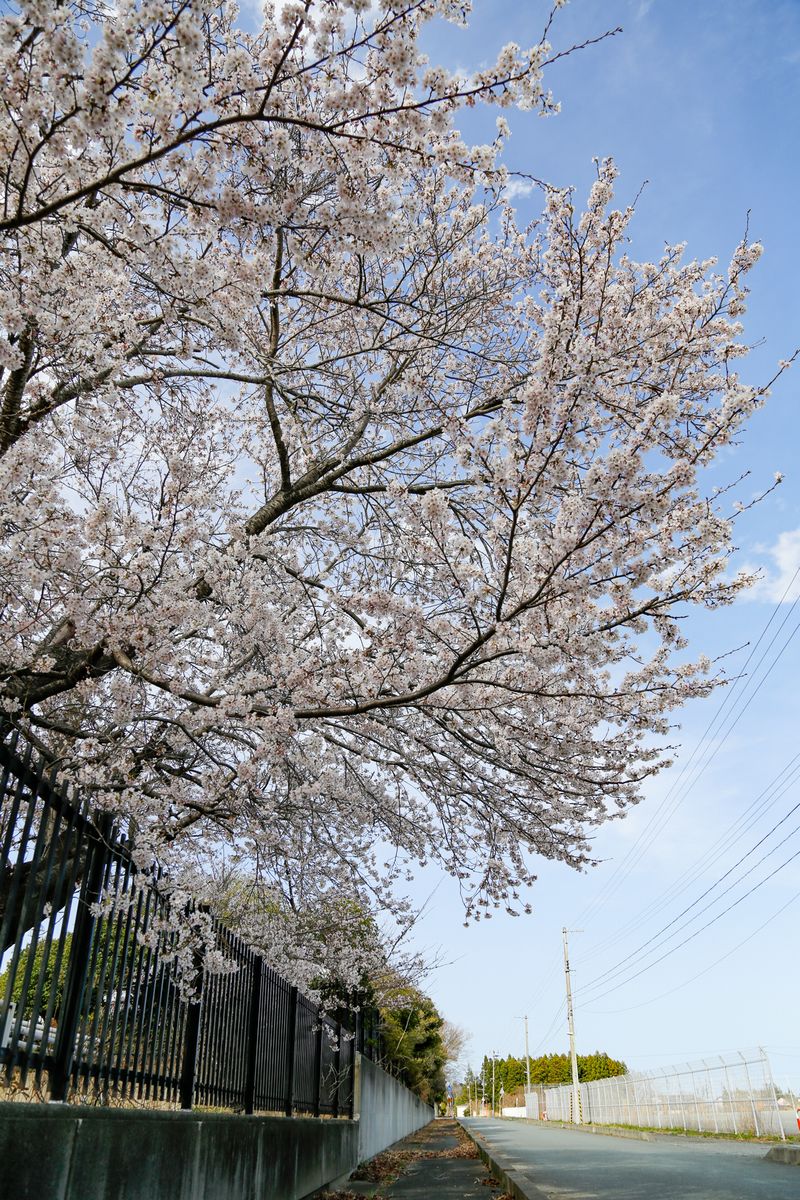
(346, 525)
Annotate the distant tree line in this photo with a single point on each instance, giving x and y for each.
(547, 1070)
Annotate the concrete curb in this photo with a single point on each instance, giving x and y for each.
(520, 1186)
(784, 1154)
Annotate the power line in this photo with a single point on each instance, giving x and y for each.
(543, 983)
(643, 1004)
(616, 986)
(771, 796)
(768, 797)
(702, 755)
(562, 1006)
(765, 799)
(631, 859)
(637, 954)
(716, 749)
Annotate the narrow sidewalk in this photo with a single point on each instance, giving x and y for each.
(438, 1161)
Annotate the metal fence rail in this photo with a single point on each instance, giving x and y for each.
(90, 1007)
(722, 1095)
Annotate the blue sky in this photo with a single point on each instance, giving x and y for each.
(701, 100)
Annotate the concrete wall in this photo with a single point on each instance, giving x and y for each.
(70, 1152)
(64, 1152)
(388, 1111)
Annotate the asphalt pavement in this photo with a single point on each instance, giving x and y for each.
(564, 1164)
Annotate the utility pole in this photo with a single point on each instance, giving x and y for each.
(527, 1057)
(576, 1091)
(494, 1056)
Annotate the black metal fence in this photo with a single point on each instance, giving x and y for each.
(90, 1006)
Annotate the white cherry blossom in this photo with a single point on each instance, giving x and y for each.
(345, 524)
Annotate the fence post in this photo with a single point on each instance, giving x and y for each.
(355, 1067)
(318, 1061)
(75, 985)
(768, 1074)
(696, 1102)
(358, 1048)
(655, 1098)
(337, 1093)
(291, 1040)
(252, 1036)
(752, 1097)
(711, 1097)
(191, 1037)
(731, 1098)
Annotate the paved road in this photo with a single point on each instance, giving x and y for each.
(568, 1165)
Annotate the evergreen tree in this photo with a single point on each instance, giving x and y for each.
(548, 1070)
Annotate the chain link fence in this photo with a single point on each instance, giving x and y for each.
(716, 1095)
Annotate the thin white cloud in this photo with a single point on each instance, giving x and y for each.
(780, 582)
(518, 187)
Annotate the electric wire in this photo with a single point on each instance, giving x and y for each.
(765, 801)
(643, 916)
(762, 803)
(545, 982)
(701, 768)
(624, 982)
(662, 995)
(769, 796)
(638, 952)
(600, 982)
(630, 860)
(561, 1009)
